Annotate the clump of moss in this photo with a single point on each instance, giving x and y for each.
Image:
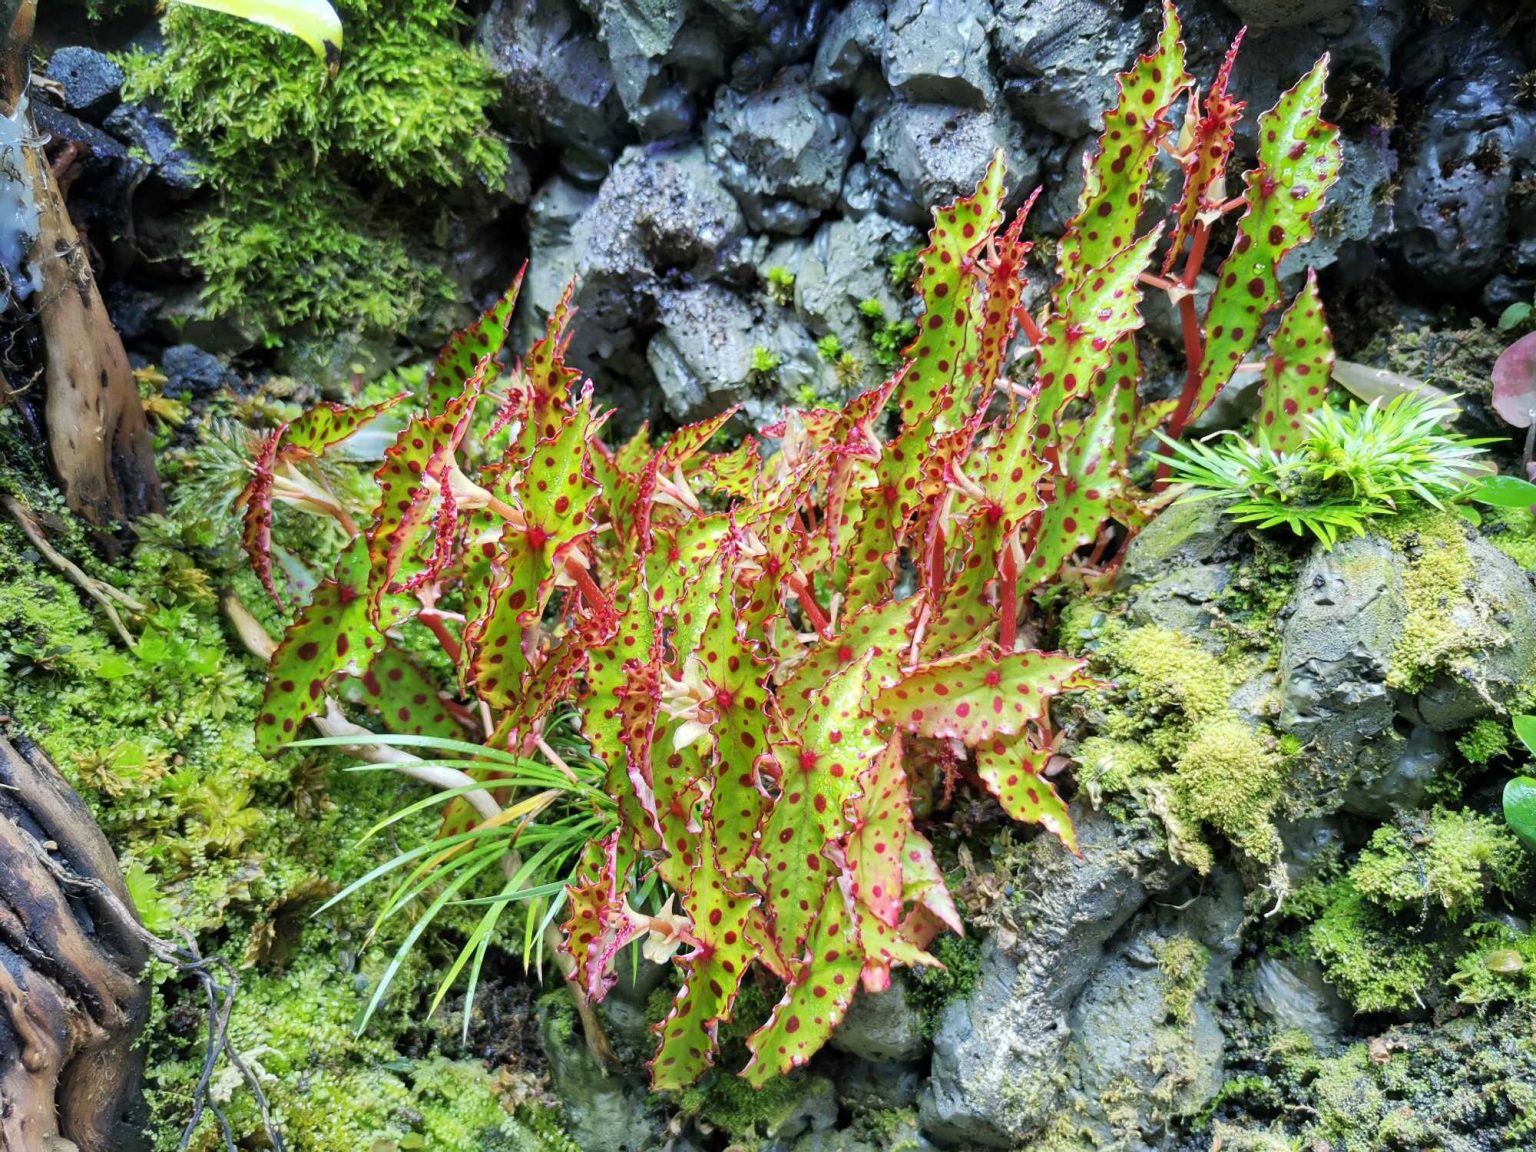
(1168, 734)
(322, 185)
(780, 284)
(931, 989)
(886, 337)
(1485, 741)
(1182, 963)
(902, 267)
(1398, 928)
(1437, 573)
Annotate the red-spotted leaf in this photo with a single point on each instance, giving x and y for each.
(1211, 132)
(1117, 176)
(1299, 160)
(326, 425)
(880, 818)
(329, 635)
(947, 284)
(981, 694)
(1296, 373)
(719, 914)
(462, 358)
(1013, 770)
(818, 997)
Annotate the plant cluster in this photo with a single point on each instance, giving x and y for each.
(772, 649)
(318, 179)
(1333, 472)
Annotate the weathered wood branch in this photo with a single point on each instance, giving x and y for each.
(72, 1000)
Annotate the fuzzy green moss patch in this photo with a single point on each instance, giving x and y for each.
(1167, 734)
(322, 183)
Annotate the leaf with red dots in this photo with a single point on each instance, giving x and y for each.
(981, 694)
(550, 380)
(1296, 373)
(819, 768)
(818, 997)
(924, 886)
(598, 925)
(1299, 159)
(1082, 334)
(1117, 176)
(497, 643)
(256, 534)
(402, 542)
(719, 915)
(879, 819)
(1204, 155)
(880, 633)
(326, 425)
(1091, 484)
(468, 349)
(1008, 473)
(947, 284)
(1013, 770)
(329, 634)
(402, 695)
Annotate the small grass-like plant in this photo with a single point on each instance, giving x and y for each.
(1346, 468)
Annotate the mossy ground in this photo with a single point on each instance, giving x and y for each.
(239, 850)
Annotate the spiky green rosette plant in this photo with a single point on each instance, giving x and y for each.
(767, 645)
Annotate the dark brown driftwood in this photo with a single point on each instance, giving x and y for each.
(98, 438)
(72, 1000)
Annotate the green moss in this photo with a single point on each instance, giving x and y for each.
(902, 268)
(1182, 963)
(931, 989)
(1486, 740)
(1403, 925)
(1168, 735)
(830, 348)
(323, 186)
(235, 849)
(1436, 573)
(1452, 863)
(781, 286)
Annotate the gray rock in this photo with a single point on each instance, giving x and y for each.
(936, 50)
(997, 1053)
(601, 1112)
(190, 371)
(883, 1025)
(658, 211)
(1263, 15)
(812, 1109)
(704, 356)
(664, 54)
(1059, 59)
(902, 1135)
(1178, 567)
(879, 1085)
(845, 263)
(1336, 647)
(142, 126)
(1356, 208)
(558, 87)
(1453, 207)
(1294, 995)
(938, 152)
(92, 81)
(781, 150)
(851, 46)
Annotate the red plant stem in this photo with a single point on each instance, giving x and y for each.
(1194, 351)
(434, 621)
(1031, 329)
(590, 592)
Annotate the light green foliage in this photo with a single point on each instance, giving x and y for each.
(297, 239)
(830, 348)
(902, 268)
(1451, 866)
(1348, 469)
(235, 848)
(765, 365)
(1396, 925)
(1170, 737)
(1486, 740)
(781, 286)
